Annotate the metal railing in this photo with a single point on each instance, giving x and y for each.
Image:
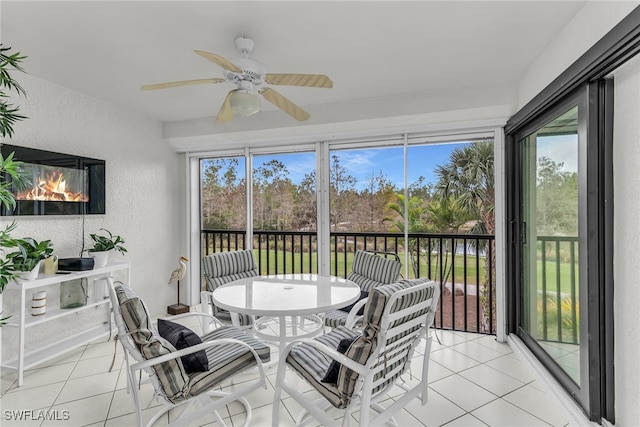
(557, 281)
(463, 264)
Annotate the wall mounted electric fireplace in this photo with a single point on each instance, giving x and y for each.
(58, 184)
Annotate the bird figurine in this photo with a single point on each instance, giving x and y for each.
(175, 276)
(179, 272)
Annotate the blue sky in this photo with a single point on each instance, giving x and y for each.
(561, 149)
(423, 159)
(362, 163)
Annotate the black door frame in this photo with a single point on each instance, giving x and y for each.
(587, 73)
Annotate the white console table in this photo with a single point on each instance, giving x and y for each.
(23, 320)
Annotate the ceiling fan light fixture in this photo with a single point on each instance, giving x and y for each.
(244, 103)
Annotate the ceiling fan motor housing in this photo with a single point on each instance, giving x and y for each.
(252, 71)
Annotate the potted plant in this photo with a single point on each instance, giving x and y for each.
(8, 166)
(103, 244)
(26, 259)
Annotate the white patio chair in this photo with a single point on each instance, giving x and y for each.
(221, 268)
(369, 270)
(184, 379)
(396, 318)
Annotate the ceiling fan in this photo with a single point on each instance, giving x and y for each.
(250, 78)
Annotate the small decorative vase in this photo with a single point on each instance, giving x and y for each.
(74, 293)
(33, 274)
(51, 265)
(100, 258)
(39, 303)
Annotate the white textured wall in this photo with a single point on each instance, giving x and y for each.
(144, 185)
(589, 25)
(626, 261)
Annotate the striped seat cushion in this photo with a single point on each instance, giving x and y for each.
(224, 360)
(335, 318)
(313, 365)
(370, 270)
(224, 315)
(227, 359)
(224, 267)
(171, 374)
(363, 347)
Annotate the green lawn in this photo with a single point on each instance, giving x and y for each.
(552, 276)
(300, 263)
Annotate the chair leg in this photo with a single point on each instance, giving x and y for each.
(275, 414)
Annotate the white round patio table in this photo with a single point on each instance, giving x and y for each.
(297, 296)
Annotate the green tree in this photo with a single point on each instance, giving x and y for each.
(342, 189)
(373, 202)
(420, 188)
(445, 215)
(306, 203)
(557, 199)
(273, 196)
(416, 214)
(468, 177)
(223, 194)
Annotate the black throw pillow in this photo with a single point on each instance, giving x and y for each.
(334, 368)
(182, 337)
(348, 308)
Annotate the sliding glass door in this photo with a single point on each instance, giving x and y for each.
(550, 287)
(560, 263)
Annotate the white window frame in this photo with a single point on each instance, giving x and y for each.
(435, 134)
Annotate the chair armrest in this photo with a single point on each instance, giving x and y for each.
(206, 319)
(353, 315)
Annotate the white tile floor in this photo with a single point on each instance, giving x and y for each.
(474, 381)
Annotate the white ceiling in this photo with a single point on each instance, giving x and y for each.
(374, 51)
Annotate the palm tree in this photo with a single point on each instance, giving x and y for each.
(445, 216)
(468, 177)
(416, 215)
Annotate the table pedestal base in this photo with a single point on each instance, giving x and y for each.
(289, 328)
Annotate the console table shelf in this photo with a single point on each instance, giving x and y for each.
(48, 352)
(23, 321)
(54, 314)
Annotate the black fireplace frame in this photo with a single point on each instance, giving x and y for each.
(96, 185)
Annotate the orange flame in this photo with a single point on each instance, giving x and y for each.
(52, 188)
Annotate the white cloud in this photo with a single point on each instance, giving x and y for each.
(560, 149)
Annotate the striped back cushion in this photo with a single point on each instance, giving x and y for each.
(364, 347)
(171, 375)
(370, 270)
(225, 267)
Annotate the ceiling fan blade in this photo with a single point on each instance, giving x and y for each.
(284, 104)
(308, 80)
(226, 113)
(223, 62)
(181, 83)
